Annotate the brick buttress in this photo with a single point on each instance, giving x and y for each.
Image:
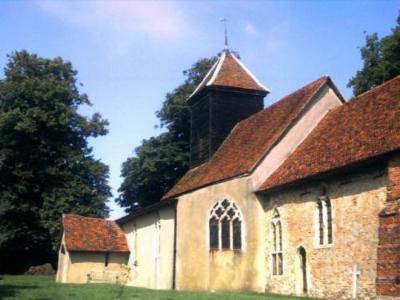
(388, 268)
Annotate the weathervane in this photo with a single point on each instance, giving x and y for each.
(224, 20)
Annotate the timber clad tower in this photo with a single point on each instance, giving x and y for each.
(228, 94)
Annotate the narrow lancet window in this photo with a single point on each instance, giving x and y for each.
(279, 229)
(277, 255)
(320, 222)
(237, 234)
(214, 243)
(325, 221)
(225, 234)
(329, 220)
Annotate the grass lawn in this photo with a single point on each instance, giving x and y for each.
(45, 288)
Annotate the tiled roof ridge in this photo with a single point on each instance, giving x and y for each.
(374, 89)
(324, 80)
(285, 97)
(362, 97)
(270, 107)
(361, 100)
(86, 217)
(213, 75)
(203, 164)
(205, 80)
(249, 72)
(326, 77)
(217, 69)
(93, 234)
(291, 105)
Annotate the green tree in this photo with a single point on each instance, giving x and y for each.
(160, 161)
(46, 165)
(381, 61)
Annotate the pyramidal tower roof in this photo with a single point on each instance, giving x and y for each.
(228, 71)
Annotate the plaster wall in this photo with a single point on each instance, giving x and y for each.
(80, 264)
(151, 242)
(63, 263)
(325, 100)
(198, 267)
(356, 202)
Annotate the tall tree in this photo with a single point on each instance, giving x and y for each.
(381, 61)
(46, 165)
(160, 161)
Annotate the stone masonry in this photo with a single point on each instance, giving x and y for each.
(356, 200)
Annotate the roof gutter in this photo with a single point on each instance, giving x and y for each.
(329, 173)
(146, 210)
(174, 196)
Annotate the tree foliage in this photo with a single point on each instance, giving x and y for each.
(381, 61)
(46, 165)
(160, 161)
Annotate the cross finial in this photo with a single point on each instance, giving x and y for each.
(224, 20)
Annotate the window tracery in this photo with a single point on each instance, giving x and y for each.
(225, 226)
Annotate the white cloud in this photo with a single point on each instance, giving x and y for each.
(250, 29)
(159, 20)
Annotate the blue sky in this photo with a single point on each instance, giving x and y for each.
(129, 54)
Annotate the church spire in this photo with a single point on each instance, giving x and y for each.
(229, 72)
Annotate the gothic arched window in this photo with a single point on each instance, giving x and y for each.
(277, 257)
(325, 229)
(225, 226)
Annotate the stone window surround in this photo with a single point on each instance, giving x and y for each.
(322, 200)
(277, 242)
(236, 216)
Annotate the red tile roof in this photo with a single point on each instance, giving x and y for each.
(228, 71)
(93, 234)
(365, 127)
(249, 141)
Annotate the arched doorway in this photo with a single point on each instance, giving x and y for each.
(303, 269)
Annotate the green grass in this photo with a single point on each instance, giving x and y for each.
(45, 288)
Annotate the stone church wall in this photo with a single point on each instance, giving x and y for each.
(356, 202)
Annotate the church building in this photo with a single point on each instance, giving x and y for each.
(299, 198)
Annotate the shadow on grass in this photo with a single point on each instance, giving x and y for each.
(7, 290)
